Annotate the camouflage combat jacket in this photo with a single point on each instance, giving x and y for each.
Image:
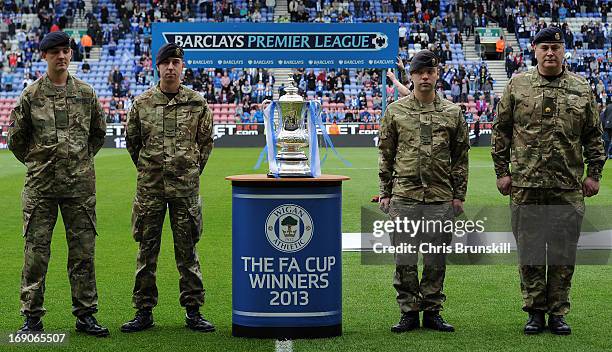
(543, 128)
(56, 133)
(169, 141)
(423, 151)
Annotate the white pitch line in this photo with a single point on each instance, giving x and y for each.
(284, 346)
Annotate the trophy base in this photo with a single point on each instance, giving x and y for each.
(293, 168)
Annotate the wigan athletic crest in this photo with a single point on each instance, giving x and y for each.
(289, 228)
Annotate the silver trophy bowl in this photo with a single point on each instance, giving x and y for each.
(293, 139)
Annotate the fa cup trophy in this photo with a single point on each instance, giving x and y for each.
(290, 133)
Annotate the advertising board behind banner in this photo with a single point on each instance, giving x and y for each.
(252, 135)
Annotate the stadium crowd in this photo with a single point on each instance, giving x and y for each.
(119, 32)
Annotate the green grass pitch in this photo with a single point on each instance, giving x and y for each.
(483, 301)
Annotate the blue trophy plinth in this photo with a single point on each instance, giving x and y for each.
(286, 256)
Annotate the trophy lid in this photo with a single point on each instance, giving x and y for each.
(292, 91)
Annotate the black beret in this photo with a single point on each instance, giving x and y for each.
(168, 50)
(53, 39)
(423, 59)
(549, 35)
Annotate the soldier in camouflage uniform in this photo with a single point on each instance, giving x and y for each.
(169, 137)
(423, 170)
(546, 121)
(56, 129)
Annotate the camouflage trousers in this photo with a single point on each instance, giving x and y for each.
(546, 225)
(148, 215)
(39, 218)
(427, 294)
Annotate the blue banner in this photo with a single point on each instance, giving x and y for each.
(286, 256)
(291, 45)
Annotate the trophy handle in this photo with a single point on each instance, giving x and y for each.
(264, 106)
(317, 111)
(318, 105)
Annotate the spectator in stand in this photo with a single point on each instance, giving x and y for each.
(606, 121)
(86, 43)
(81, 7)
(7, 82)
(340, 115)
(114, 116)
(281, 90)
(324, 115)
(112, 104)
(510, 65)
(319, 89)
(112, 47)
(377, 102)
(311, 81)
(465, 90)
(349, 116)
(256, 16)
(334, 130)
(246, 117)
(500, 47)
(209, 95)
(322, 76)
(477, 45)
(246, 89)
(116, 89)
(487, 88)
(562, 13)
(125, 86)
(27, 80)
(225, 80)
(238, 114)
(269, 92)
(258, 116)
(455, 90)
(353, 103)
(270, 4)
(365, 116)
(481, 105)
(115, 76)
(259, 94)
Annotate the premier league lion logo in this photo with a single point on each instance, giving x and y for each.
(380, 41)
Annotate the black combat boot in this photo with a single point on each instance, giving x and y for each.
(142, 320)
(31, 324)
(195, 321)
(408, 321)
(535, 324)
(89, 325)
(558, 325)
(433, 320)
